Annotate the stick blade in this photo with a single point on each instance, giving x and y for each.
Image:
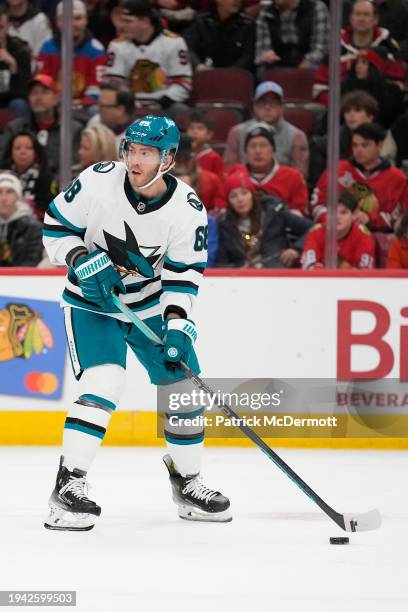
(362, 522)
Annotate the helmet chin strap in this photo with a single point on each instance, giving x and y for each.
(159, 173)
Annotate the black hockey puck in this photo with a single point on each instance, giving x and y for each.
(339, 541)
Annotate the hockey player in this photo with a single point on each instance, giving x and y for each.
(132, 228)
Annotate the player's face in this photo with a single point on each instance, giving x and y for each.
(260, 154)
(354, 117)
(23, 152)
(8, 202)
(365, 152)
(269, 108)
(142, 163)
(344, 219)
(241, 201)
(86, 153)
(362, 17)
(41, 99)
(198, 133)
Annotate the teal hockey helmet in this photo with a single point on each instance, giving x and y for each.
(152, 131)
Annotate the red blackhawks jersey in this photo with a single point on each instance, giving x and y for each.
(389, 185)
(283, 181)
(356, 250)
(210, 160)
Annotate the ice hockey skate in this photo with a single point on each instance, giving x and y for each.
(196, 501)
(70, 508)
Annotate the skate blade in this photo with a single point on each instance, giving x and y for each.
(62, 520)
(191, 513)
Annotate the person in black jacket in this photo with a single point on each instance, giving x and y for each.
(258, 233)
(222, 38)
(44, 121)
(15, 68)
(26, 158)
(20, 231)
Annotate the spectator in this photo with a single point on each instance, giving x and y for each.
(200, 130)
(29, 24)
(99, 20)
(398, 253)
(355, 244)
(292, 33)
(15, 69)
(222, 38)
(357, 107)
(292, 148)
(152, 60)
(97, 144)
(381, 190)
(20, 231)
(267, 175)
(191, 180)
(254, 232)
(363, 33)
(207, 184)
(396, 142)
(116, 109)
(393, 15)
(368, 73)
(89, 58)
(177, 13)
(43, 120)
(26, 158)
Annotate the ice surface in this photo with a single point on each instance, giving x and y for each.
(275, 555)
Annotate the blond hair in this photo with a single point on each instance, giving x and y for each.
(102, 141)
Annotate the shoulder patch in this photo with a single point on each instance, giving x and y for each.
(193, 200)
(104, 167)
(170, 34)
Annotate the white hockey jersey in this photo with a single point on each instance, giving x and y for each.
(161, 244)
(159, 68)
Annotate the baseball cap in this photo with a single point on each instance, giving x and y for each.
(78, 7)
(237, 179)
(45, 80)
(11, 181)
(260, 129)
(268, 87)
(137, 8)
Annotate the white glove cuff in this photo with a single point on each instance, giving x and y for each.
(184, 325)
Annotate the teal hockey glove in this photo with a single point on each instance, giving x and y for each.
(97, 279)
(179, 337)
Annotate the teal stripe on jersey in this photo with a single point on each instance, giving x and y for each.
(183, 441)
(65, 221)
(99, 400)
(87, 430)
(181, 289)
(51, 234)
(79, 301)
(179, 264)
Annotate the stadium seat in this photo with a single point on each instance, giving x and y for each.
(230, 87)
(296, 82)
(302, 118)
(5, 117)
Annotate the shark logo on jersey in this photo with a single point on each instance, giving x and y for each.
(193, 200)
(127, 255)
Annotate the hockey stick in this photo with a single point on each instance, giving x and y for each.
(348, 522)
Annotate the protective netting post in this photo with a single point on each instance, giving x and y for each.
(66, 95)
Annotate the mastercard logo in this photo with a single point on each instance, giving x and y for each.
(41, 382)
